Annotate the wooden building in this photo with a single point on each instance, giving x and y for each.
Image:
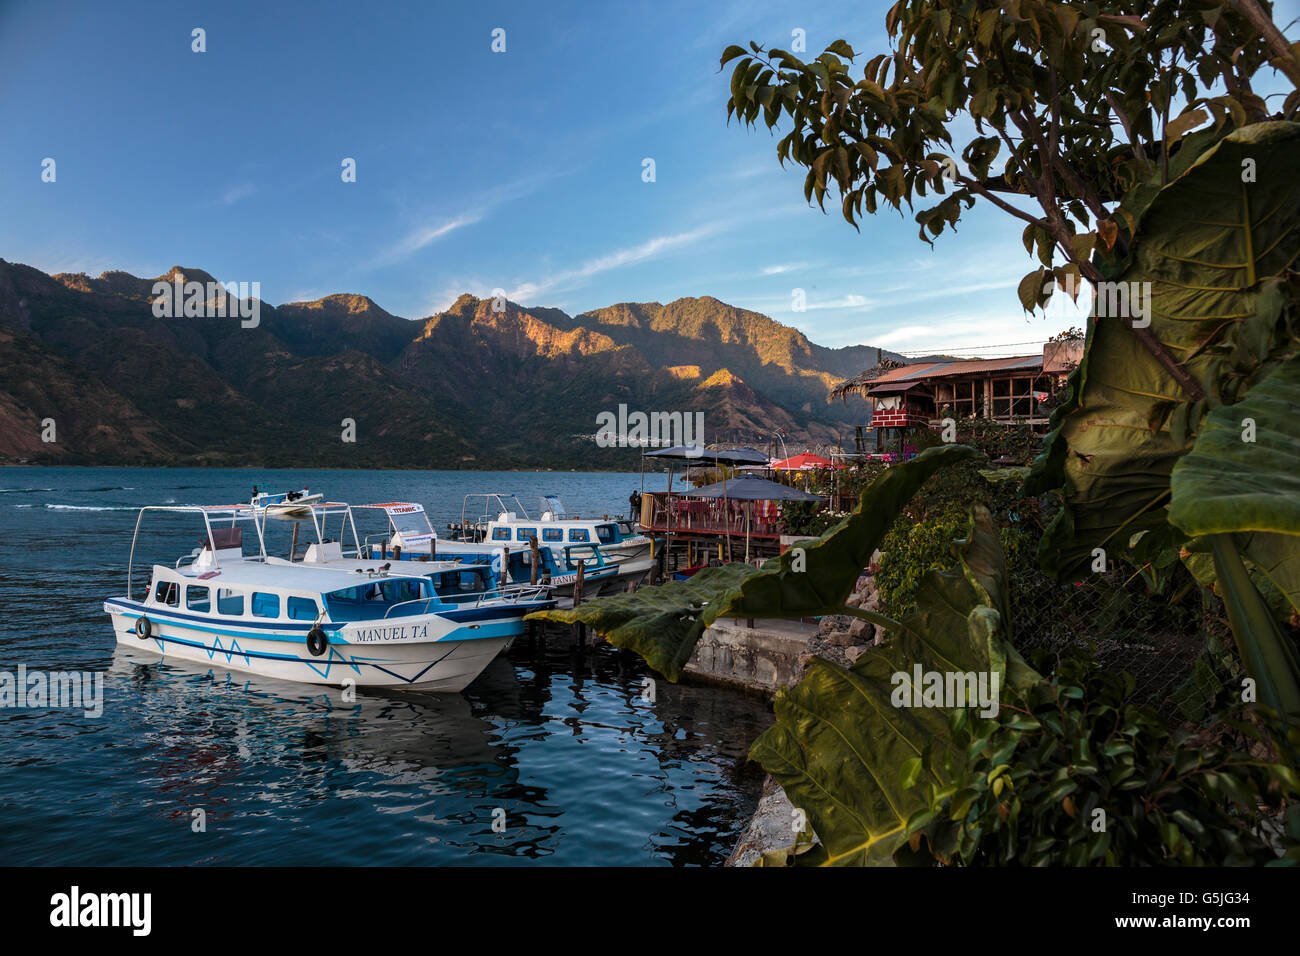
(922, 394)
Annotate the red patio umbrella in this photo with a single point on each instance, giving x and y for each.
(805, 462)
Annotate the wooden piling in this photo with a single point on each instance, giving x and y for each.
(577, 599)
(534, 559)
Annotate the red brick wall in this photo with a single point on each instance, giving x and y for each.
(898, 418)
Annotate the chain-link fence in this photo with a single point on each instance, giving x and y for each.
(1176, 645)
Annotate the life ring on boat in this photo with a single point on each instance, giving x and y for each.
(143, 628)
(317, 642)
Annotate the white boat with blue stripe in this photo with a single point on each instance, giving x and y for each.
(613, 551)
(316, 621)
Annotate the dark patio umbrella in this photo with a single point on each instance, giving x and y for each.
(748, 487)
(728, 456)
(698, 454)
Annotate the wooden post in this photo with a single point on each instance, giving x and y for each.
(534, 558)
(383, 550)
(293, 545)
(577, 599)
(433, 548)
(397, 552)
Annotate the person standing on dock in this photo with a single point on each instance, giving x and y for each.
(634, 499)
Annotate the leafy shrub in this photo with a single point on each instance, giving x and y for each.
(1019, 444)
(921, 537)
(808, 518)
(908, 551)
(858, 478)
(1071, 772)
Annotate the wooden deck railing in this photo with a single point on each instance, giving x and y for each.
(660, 513)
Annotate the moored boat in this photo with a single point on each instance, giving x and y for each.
(284, 504)
(329, 618)
(410, 536)
(504, 520)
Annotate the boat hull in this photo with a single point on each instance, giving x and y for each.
(445, 665)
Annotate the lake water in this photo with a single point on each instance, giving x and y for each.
(554, 741)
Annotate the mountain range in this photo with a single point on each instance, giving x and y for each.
(470, 387)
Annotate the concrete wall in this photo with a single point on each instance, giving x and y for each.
(764, 658)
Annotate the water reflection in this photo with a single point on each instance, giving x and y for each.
(556, 742)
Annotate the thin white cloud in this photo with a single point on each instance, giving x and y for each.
(760, 167)
(426, 234)
(988, 329)
(787, 267)
(237, 192)
(417, 239)
(631, 255)
(906, 333)
(850, 301)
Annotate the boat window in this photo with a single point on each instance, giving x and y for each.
(411, 524)
(469, 582)
(500, 534)
(374, 600)
(302, 609)
(198, 598)
(405, 589)
(453, 583)
(167, 592)
(523, 534)
(266, 605)
(579, 534)
(605, 533)
(552, 534)
(230, 602)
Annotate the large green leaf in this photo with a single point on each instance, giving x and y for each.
(847, 756)
(1268, 655)
(1228, 483)
(663, 623)
(1277, 558)
(1210, 245)
(1243, 473)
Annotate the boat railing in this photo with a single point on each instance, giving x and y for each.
(371, 540)
(510, 595)
(595, 560)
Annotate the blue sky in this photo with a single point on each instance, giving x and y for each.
(476, 170)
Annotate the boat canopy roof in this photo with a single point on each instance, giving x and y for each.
(546, 508)
(407, 518)
(247, 512)
(218, 516)
(260, 575)
(396, 507)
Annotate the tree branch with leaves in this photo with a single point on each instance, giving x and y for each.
(1092, 102)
